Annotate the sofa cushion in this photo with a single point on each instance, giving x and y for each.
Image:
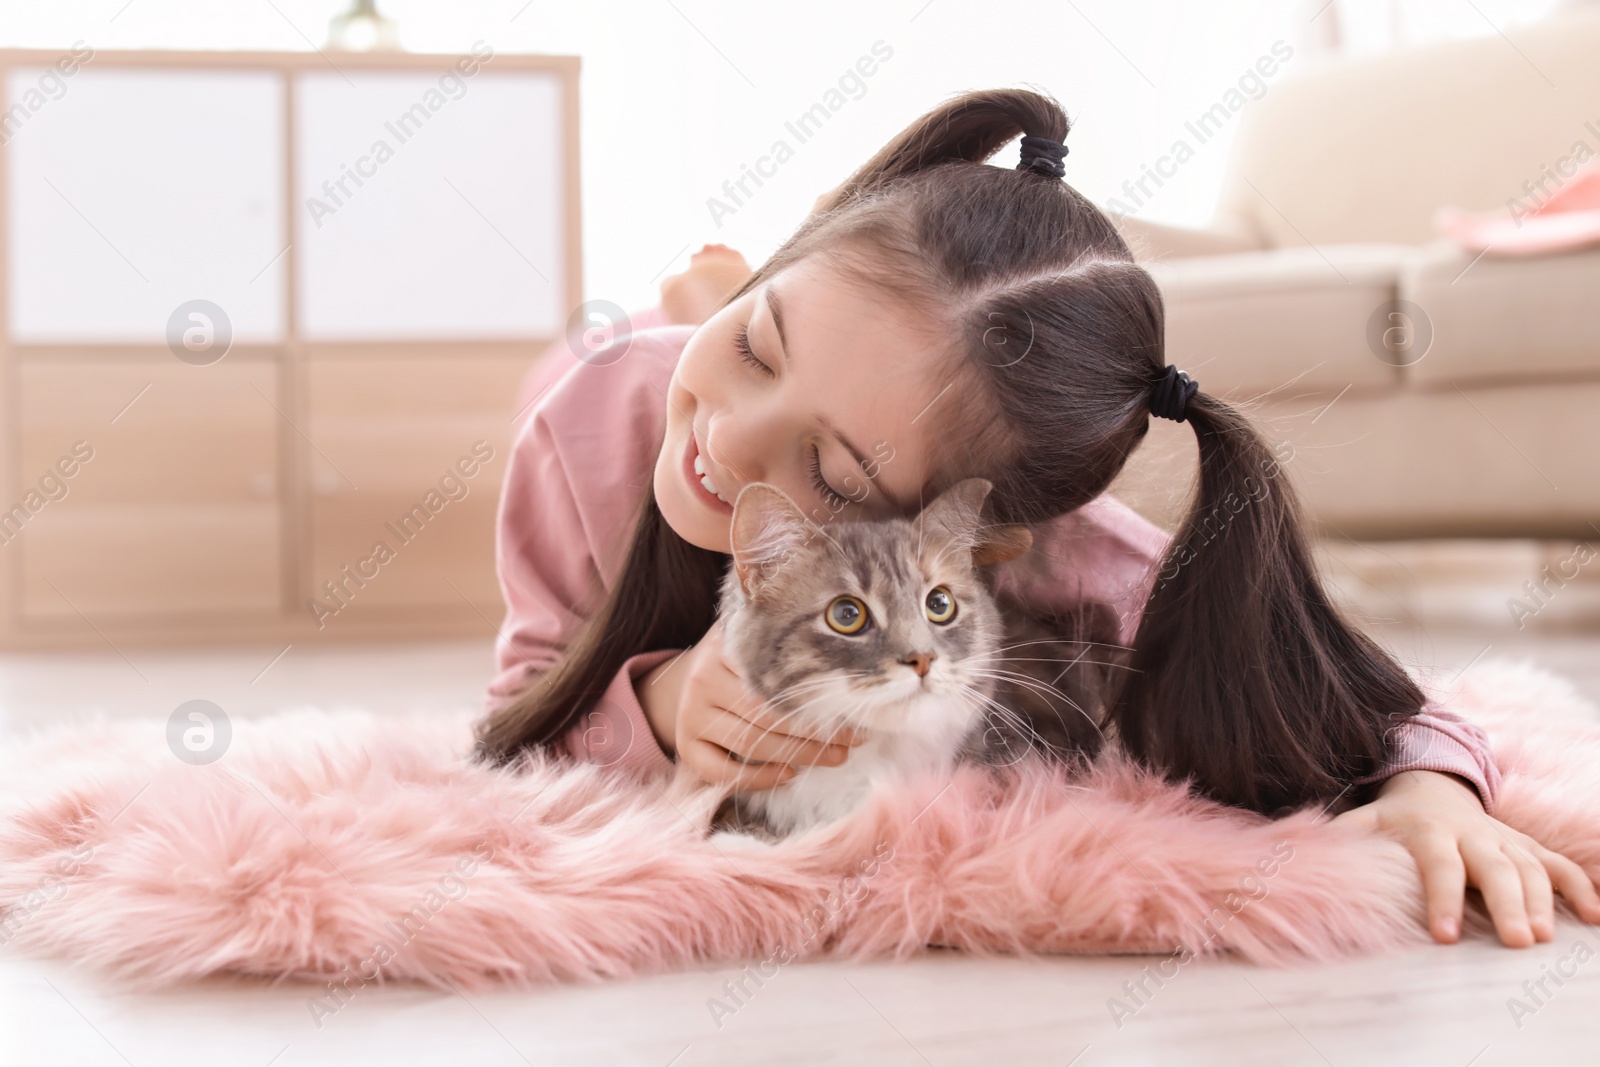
(1260, 320)
(1368, 151)
(1523, 318)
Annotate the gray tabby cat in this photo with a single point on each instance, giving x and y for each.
(891, 627)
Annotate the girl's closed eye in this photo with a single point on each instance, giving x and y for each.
(835, 499)
(741, 341)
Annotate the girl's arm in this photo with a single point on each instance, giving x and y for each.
(572, 483)
(1438, 739)
(1107, 553)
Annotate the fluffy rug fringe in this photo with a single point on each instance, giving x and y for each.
(346, 848)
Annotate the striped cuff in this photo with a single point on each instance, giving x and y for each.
(1437, 739)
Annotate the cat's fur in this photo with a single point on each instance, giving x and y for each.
(999, 686)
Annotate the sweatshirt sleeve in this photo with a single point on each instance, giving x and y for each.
(571, 489)
(1107, 553)
(1438, 739)
(615, 732)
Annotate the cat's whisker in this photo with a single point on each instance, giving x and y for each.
(1049, 659)
(1062, 672)
(1041, 688)
(1062, 641)
(1018, 678)
(818, 682)
(790, 710)
(752, 733)
(850, 717)
(1023, 724)
(987, 699)
(1007, 716)
(1005, 658)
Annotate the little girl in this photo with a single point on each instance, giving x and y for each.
(939, 318)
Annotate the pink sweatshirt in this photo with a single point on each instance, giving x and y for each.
(581, 463)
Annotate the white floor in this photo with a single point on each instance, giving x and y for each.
(1442, 1005)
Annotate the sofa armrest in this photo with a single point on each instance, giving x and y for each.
(1153, 240)
(1288, 317)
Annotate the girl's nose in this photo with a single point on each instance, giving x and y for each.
(735, 441)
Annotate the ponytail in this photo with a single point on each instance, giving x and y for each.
(966, 129)
(1245, 677)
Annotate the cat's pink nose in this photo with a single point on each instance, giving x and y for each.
(920, 662)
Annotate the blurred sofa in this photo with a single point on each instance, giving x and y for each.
(1426, 392)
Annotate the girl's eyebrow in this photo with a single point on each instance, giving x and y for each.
(777, 320)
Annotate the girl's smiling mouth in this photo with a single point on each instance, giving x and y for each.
(698, 474)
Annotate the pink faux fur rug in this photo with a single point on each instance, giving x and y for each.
(347, 848)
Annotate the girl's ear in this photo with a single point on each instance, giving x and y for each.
(957, 516)
(768, 528)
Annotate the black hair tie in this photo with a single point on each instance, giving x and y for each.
(1170, 397)
(1043, 155)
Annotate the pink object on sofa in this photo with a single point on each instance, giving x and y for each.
(577, 472)
(1566, 218)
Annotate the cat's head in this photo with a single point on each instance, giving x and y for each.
(886, 625)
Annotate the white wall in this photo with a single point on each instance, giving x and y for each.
(679, 95)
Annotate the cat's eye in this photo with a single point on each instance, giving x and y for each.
(940, 605)
(847, 615)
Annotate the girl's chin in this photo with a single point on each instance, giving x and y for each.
(708, 539)
(688, 519)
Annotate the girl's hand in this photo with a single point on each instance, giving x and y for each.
(723, 731)
(1440, 820)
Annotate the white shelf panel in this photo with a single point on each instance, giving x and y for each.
(429, 208)
(134, 192)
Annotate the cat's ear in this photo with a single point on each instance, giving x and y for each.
(997, 544)
(768, 528)
(957, 516)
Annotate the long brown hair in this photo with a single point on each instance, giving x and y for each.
(1244, 678)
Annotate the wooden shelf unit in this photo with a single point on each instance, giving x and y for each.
(371, 354)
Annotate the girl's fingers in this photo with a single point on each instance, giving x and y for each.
(713, 764)
(765, 744)
(734, 696)
(1444, 885)
(1572, 882)
(1497, 878)
(1537, 893)
(763, 720)
(743, 738)
(767, 719)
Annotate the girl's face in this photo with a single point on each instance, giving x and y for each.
(810, 382)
